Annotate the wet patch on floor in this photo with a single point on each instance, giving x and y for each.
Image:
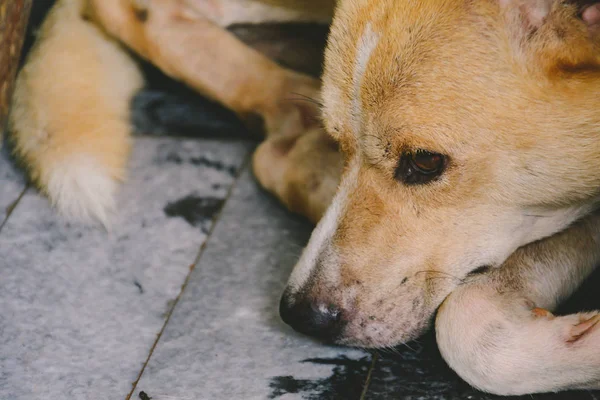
(418, 371)
(195, 210)
(346, 381)
(201, 161)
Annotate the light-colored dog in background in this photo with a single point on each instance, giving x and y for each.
(470, 142)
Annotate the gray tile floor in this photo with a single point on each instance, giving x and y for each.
(179, 300)
(189, 310)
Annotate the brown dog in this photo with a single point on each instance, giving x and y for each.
(468, 130)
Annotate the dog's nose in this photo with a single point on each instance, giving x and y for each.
(318, 320)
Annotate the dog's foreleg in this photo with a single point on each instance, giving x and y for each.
(70, 113)
(496, 332)
(191, 48)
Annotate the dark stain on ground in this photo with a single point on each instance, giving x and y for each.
(197, 211)
(419, 372)
(203, 161)
(408, 372)
(219, 166)
(144, 396)
(139, 286)
(174, 158)
(345, 382)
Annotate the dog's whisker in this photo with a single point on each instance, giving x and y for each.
(390, 350)
(410, 348)
(308, 98)
(290, 99)
(537, 215)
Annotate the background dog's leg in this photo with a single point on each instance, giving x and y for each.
(191, 48)
(302, 171)
(496, 332)
(70, 114)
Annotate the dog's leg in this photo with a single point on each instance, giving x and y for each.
(70, 113)
(496, 332)
(302, 171)
(190, 47)
(70, 118)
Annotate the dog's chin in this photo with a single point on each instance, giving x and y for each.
(379, 336)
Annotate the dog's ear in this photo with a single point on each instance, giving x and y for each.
(556, 36)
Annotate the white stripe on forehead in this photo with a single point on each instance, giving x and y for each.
(319, 243)
(364, 50)
(321, 237)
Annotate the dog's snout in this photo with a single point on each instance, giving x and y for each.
(319, 320)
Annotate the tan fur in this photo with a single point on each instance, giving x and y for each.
(240, 78)
(75, 121)
(506, 89)
(488, 332)
(70, 114)
(303, 171)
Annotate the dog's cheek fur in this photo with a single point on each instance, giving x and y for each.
(387, 284)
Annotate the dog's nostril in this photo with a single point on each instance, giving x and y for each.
(318, 320)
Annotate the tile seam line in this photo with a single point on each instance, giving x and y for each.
(365, 391)
(245, 164)
(12, 206)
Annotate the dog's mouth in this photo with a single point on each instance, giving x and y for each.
(371, 322)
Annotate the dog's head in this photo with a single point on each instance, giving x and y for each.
(469, 128)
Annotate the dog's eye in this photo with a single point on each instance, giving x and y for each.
(420, 167)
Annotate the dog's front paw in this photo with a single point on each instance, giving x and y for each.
(302, 170)
(573, 327)
(296, 107)
(587, 323)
